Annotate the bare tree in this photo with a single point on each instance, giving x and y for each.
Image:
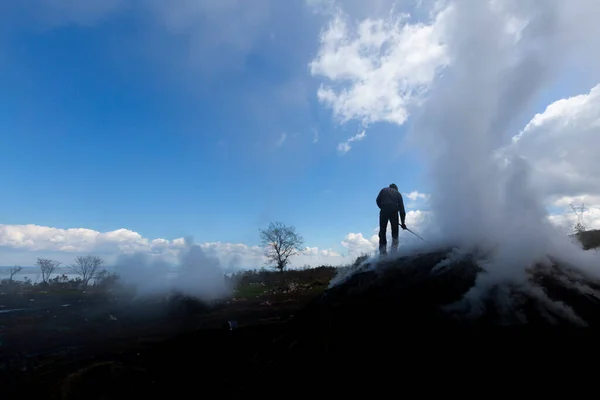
(87, 267)
(47, 267)
(280, 243)
(13, 271)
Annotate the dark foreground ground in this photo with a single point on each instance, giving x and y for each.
(381, 333)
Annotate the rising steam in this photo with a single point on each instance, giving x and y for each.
(196, 274)
(504, 54)
(500, 58)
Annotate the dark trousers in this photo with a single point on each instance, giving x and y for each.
(386, 215)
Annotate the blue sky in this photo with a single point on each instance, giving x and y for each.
(195, 118)
(102, 135)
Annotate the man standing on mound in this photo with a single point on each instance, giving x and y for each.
(390, 203)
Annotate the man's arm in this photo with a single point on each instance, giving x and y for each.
(401, 208)
(378, 200)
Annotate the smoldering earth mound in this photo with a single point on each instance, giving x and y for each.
(431, 289)
(397, 322)
(388, 328)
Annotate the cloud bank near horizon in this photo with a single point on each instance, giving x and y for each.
(21, 244)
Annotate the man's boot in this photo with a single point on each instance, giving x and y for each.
(382, 251)
(395, 242)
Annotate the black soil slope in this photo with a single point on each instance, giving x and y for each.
(380, 333)
(386, 327)
(412, 294)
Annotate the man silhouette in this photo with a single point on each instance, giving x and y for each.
(390, 203)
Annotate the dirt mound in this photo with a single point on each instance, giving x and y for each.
(397, 322)
(381, 331)
(426, 289)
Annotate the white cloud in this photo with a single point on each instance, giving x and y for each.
(358, 136)
(417, 199)
(345, 147)
(36, 238)
(329, 253)
(415, 195)
(315, 252)
(587, 200)
(385, 66)
(315, 135)
(562, 145)
(23, 243)
(310, 251)
(357, 244)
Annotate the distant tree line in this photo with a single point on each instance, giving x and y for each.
(86, 267)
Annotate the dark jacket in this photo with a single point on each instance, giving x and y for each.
(390, 199)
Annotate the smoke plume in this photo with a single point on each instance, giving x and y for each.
(471, 76)
(504, 55)
(196, 274)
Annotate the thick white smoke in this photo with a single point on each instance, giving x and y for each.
(196, 274)
(503, 55)
(500, 57)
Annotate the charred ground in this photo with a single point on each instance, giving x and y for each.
(382, 331)
(48, 331)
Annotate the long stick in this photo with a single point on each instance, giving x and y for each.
(415, 234)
